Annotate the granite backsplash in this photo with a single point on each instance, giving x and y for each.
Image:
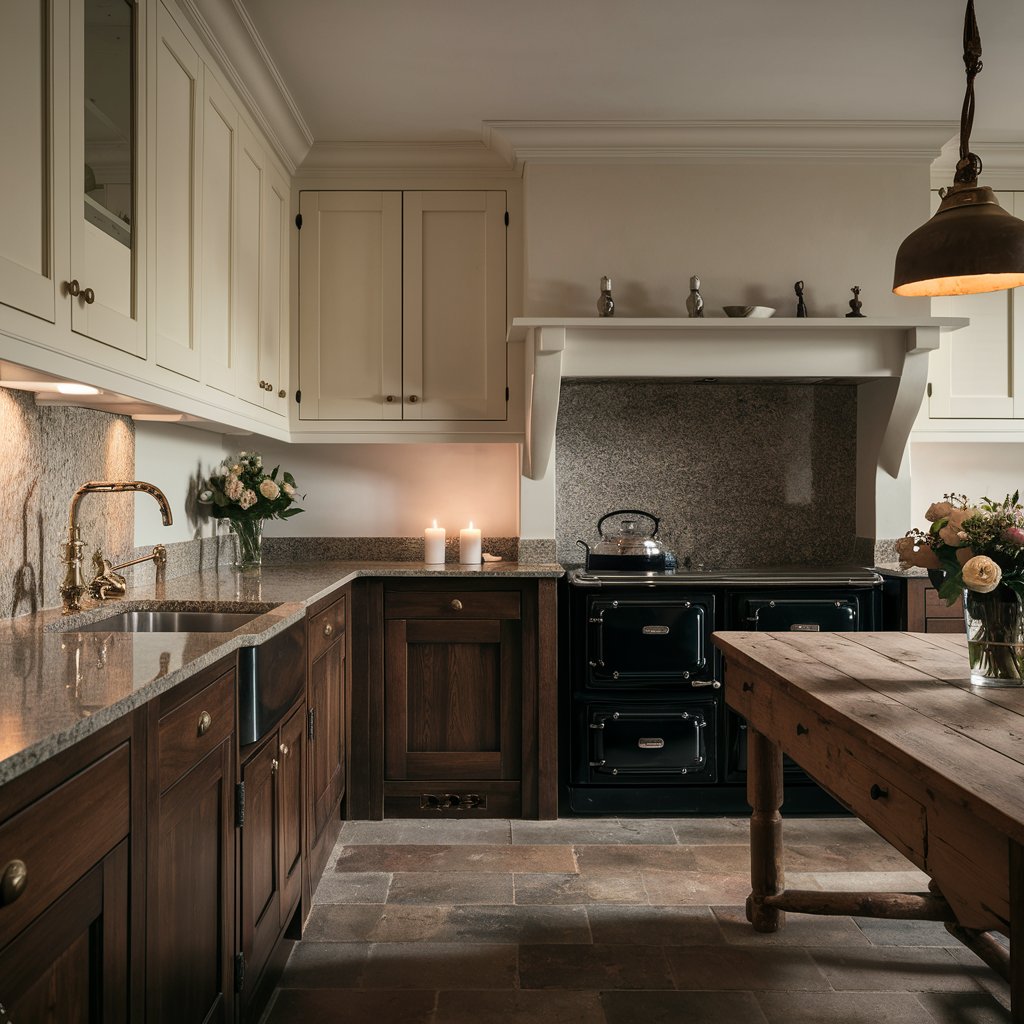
(740, 474)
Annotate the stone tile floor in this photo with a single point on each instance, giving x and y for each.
(614, 921)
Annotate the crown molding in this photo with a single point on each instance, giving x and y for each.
(401, 158)
(715, 141)
(226, 29)
(1002, 162)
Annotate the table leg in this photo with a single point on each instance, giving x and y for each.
(764, 793)
(1016, 933)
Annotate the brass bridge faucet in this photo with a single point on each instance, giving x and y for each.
(106, 583)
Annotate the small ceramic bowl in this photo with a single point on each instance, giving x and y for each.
(756, 312)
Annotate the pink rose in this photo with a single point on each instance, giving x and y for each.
(938, 510)
(1014, 535)
(952, 533)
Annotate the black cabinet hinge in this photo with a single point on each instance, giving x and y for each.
(239, 971)
(298, 397)
(929, 389)
(239, 805)
(310, 723)
(506, 218)
(506, 394)
(298, 221)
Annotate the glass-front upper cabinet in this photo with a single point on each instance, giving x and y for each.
(106, 174)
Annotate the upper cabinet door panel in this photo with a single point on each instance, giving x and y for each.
(220, 136)
(350, 305)
(178, 160)
(26, 178)
(248, 283)
(106, 127)
(273, 339)
(454, 305)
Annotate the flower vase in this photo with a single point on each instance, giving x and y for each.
(995, 637)
(247, 536)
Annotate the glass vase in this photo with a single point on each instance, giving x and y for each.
(247, 536)
(995, 637)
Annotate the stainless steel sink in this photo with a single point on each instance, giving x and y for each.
(169, 622)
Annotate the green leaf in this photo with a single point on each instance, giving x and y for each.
(273, 475)
(952, 587)
(289, 512)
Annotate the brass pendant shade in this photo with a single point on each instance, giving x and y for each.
(971, 244)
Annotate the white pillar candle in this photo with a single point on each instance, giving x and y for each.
(470, 547)
(433, 545)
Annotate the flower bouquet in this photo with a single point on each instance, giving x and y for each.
(239, 491)
(979, 553)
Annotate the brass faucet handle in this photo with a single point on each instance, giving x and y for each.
(159, 556)
(107, 584)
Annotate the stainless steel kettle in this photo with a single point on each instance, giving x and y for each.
(627, 546)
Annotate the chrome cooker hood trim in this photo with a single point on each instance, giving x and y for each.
(840, 576)
(811, 349)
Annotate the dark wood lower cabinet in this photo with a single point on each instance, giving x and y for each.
(270, 848)
(914, 605)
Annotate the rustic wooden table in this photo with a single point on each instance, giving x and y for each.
(890, 725)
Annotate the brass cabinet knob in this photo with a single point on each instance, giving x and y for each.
(284, 749)
(89, 295)
(328, 629)
(282, 393)
(73, 288)
(263, 385)
(414, 398)
(389, 398)
(274, 765)
(456, 604)
(269, 387)
(205, 721)
(13, 882)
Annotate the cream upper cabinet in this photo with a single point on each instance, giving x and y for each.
(107, 172)
(177, 169)
(402, 306)
(978, 371)
(27, 279)
(261, 279)
(218, 189)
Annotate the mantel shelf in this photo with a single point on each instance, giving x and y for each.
(860, 349)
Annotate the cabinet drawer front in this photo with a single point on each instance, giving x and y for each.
(452, 604)
(200, 725)
(935, 607)
(93, 806)
(326, 628)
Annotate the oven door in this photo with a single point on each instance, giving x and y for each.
(801, 615)
(649, 642)
(631, 743)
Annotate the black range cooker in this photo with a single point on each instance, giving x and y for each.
(643, 724)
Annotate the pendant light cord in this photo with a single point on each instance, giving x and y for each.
(969, 165)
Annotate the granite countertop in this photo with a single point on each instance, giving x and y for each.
(59, 685)
(893, 569)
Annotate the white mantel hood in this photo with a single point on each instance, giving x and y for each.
(887, 357)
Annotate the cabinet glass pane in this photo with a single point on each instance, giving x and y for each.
(109, 172)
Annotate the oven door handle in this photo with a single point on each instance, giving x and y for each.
(595, 641)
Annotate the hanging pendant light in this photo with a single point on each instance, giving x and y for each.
(971, 244)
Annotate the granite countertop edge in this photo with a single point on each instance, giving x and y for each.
(26, 637)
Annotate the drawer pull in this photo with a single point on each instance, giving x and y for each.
(205, 721)
(284, 749)
(73, 288)
(328, 629)
(456, 604)
(89, 295)
(801, 730)
(748, 687)
(13, 882)
(877, 793)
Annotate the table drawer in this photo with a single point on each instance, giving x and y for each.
(326, 628)
(452, 604)
(192, 730)
(92, 807)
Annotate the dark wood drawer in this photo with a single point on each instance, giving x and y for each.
(63, 834)
(936, 608)
(326, 628)
(452, 604)
(192, 730)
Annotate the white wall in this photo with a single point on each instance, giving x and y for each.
(749, 230)
(176, 458)
(375, 490)
(971, 468)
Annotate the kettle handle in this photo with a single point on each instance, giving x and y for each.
(632, 512)
(586, 547)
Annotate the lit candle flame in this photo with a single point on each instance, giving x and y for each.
(435, 524)
(471, 524)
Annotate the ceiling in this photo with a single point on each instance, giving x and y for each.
(436, 70)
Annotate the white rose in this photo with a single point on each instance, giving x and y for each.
(981, 574)
(248, 498)
(221, 470)
(269, 489)
(288, 489)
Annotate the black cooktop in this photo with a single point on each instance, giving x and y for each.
(788, 576)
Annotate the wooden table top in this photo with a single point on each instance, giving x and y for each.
(909, 696)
